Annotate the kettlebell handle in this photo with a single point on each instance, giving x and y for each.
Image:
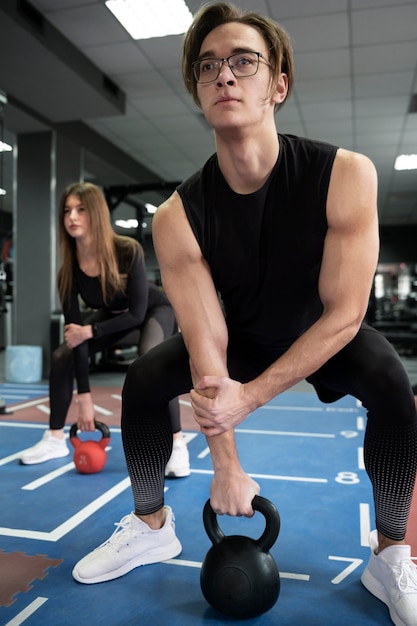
(103, 428)
(259, 503)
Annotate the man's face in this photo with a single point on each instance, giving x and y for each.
(230, 101)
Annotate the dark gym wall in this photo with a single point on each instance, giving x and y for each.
(398, 244)
(46, 164)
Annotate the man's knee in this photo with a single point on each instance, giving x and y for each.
(389, 395)
(143, 376)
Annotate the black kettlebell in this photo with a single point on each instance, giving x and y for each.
(238, 575)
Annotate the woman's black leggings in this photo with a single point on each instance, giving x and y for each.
(158, 325)
(368, 368)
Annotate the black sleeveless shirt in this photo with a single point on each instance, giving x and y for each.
(265, 248)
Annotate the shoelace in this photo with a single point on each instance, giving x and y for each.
(116, 537)
(407, 581)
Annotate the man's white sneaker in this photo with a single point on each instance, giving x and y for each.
(132, 544)
(391, 576)
(48, 448)
(178, 465)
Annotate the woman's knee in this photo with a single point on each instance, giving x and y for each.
(61, 358)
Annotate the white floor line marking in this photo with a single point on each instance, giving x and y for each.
(354, 564)
(102, 410)
(185, 563)
(116, 396)
(303, 479)
(43, 408)
(360, 423)
(27, 612)
(283, 433)
(48, 477)
(365, 523)
(11, 457)
(361, 462)
(189, 436)
(308, 409)
(349, 434)
(71, 523)
(25, 405)
(305, 577)
(339, 409)
(13, 396)
(22, 425)
(204, 453)
(35, 387)
(279, 433)
(314, 409)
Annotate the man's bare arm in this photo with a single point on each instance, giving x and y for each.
(189, 286)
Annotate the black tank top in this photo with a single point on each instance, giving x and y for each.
(265, 248)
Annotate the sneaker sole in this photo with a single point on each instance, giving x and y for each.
(158, 555)
(374, 586)
(177, 473)
(43, 459)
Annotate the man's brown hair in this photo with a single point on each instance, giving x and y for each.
(215, 14)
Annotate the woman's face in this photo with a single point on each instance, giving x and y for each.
(76, 220)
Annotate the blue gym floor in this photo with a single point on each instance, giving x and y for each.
(307, 458)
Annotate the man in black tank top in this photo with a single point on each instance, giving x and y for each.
(267, 255)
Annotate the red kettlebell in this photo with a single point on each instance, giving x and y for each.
(90, 456)
(239, 577)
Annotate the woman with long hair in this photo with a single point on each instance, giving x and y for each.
(107, 271)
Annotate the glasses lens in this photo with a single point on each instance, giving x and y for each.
(206, 70)
(244, 63)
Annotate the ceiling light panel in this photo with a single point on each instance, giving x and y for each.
(144, 19)
(406, 162)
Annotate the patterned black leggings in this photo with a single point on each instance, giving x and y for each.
(158, 325)
(368, 368)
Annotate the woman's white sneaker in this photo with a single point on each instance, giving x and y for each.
(132, 544)
(178, 465)
(47, 448)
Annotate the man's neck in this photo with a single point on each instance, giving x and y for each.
(246, 162)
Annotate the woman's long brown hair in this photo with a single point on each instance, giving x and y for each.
(105, 241)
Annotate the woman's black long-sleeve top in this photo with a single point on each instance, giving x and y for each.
(125, 310)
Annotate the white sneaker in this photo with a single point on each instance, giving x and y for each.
(132, 544)
(178, 465)
(48, 448)
(391, 576)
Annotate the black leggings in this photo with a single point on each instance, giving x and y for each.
(368, 368)
(158, 325)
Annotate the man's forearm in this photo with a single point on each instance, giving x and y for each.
(223, 452)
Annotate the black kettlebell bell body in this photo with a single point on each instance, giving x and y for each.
(239, 577)
(89, 455)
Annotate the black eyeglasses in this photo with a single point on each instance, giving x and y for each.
(241, 64)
